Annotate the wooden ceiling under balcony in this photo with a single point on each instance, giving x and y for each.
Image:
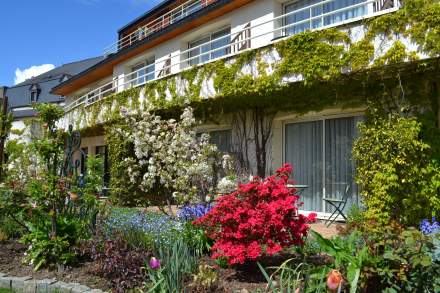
(105, 68)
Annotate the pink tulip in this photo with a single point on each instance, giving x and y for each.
(154, 263)
(334, 280)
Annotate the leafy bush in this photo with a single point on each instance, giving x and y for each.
(404, 260)
(44, 249)
(399, 180)
(392, 259)
(116, 261)
(260, 218)
(39, 195)
(10, 228)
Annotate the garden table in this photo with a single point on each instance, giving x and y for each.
(299, 187)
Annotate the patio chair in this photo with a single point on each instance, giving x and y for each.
(339, 205)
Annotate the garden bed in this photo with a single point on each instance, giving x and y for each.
(229, 279)
(11, 262)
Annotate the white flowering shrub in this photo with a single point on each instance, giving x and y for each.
(171, 160)
(23, 163)
(227, 184)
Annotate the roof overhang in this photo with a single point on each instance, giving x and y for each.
(105, 68)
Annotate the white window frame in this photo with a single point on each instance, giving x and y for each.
(138, 66)
(285, 4)
(208, 35)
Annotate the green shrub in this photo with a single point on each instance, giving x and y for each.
(10, 228)
(399, 180)
(404, 260)
(45, 198)
(44, 249)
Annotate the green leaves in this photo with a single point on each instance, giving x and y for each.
(350, 255)
(399, 179)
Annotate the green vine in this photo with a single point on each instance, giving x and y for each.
(334, 70)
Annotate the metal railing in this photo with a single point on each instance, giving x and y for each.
(158, 24)
(238, 41)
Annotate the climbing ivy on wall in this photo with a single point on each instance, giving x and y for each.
(120, 149)
(314, 57)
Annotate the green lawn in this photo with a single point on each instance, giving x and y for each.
(6, 291)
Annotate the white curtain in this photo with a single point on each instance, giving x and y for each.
(320, 153)
(303, 145)
(339, 166)
(343, 15)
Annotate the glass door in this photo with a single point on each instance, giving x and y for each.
(320, 153)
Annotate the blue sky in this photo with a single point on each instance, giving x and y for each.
(38, 32)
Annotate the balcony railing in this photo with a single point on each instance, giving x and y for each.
(158, 24)
(241, 40)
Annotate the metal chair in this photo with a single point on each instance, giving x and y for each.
(339, 205)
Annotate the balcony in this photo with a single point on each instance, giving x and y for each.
(316, 16)
(158, 24)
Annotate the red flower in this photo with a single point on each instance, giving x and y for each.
(261, 217)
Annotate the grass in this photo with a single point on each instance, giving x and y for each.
(6, 291)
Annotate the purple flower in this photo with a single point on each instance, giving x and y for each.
(427, 228)
(154, 263)
(192, 212)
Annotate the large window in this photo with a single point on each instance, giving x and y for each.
(205, 48)
(143, 72)
(320, 153)
(320, 14)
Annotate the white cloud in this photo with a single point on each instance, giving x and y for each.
(22, 75)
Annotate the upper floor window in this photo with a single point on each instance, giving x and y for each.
(214, 45)
(34, 93)
(143, 72)
(311, 15)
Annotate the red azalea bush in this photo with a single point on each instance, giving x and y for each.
(259, 218)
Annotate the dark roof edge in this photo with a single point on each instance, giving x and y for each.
(29, 81)
(153, 10)
(82, 60)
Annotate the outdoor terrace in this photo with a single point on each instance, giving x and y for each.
(158, 24)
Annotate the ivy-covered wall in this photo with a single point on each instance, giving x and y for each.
(387, 64)
(326, 58)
